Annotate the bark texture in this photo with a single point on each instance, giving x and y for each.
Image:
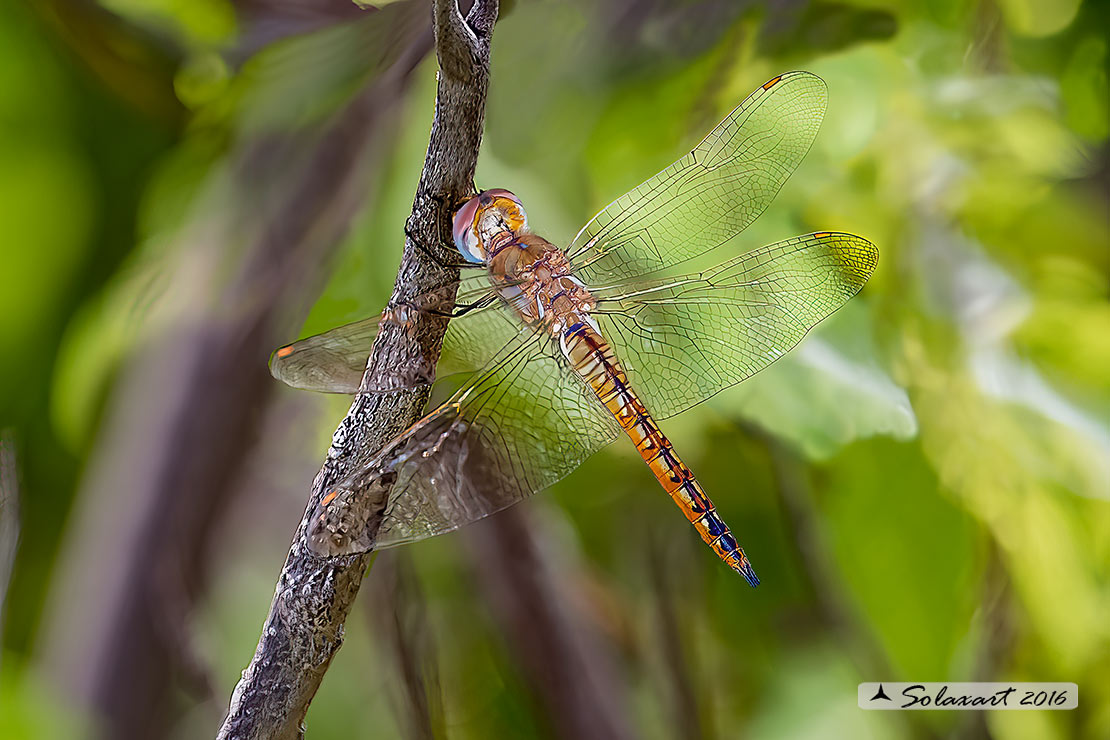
(304, 628)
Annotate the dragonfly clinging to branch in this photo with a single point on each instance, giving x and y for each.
(567, 349)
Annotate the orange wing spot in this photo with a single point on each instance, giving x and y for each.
(285, 351)
(771, 83)
(329, 498)
(822, 235)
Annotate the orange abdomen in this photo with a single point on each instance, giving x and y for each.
(593, 359)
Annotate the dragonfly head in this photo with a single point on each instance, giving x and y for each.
(485, 217)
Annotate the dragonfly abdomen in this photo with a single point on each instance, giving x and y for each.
(593, 359)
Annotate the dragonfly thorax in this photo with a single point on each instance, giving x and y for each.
(535, 278)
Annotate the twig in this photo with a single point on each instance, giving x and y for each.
(997, 627)
(304, 628)
(399, 623)
(566, 662)
(9, 517)
(686, 711)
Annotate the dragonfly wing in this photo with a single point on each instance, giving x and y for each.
(334, 361)
(683, 339)
(711, 194)
(520, 425)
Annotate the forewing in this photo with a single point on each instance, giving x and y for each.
(334, 361)
(683, 339)
(711, 194)
(520, 425)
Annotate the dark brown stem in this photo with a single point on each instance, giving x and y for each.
(399, 623)
(685, 709)
(9, 516)
(566, 662)
(996, 642)
(314, 595)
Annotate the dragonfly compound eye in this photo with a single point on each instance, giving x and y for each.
(512, 210)
(466, 236)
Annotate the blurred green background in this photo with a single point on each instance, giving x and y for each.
(923, 485)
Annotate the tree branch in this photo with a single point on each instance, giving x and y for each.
(566, 662)
(304, 628)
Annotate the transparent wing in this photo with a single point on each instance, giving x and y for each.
(683, 339)
(520, 425)
(711, 194)
(334, 361)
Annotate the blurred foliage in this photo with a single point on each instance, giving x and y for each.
(923, 485)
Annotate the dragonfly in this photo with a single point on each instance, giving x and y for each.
(558, 352)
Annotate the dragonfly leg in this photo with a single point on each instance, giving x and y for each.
(434, 255)
(458, 311)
